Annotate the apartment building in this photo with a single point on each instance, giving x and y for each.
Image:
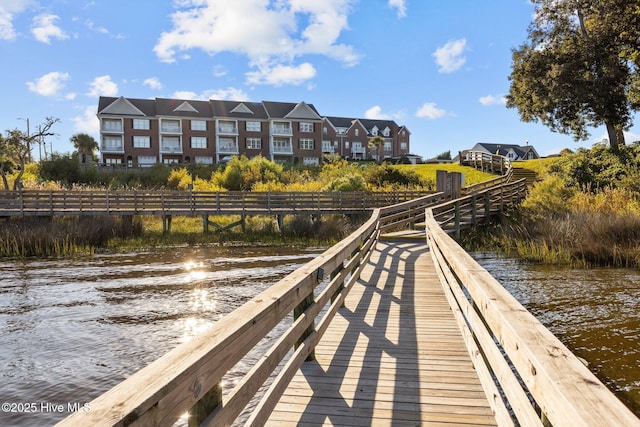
(143, 132)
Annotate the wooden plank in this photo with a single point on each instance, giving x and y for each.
(393, 354)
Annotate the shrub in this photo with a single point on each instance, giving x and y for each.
(551, 195)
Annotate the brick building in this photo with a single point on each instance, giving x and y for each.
(142, 132)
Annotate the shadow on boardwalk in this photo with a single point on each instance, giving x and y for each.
(392, 356)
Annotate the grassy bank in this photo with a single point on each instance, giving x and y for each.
(70, 236)
(584, 211)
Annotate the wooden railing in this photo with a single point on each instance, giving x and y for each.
(188, 378)
(530, 377)
(487, 163)
(51, 203)
(478, 207)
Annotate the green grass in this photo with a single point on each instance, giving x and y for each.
(428, 172)
(537, 165)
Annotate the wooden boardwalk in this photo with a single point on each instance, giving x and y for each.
(393, 355)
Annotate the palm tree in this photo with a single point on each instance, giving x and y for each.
(85, 146)
(377, 142)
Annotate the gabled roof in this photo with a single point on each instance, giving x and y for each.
(370, 124)
(183, 108)
(340, 122)
(504, 148)
(126, 107)
(289, 110)
(240, 110)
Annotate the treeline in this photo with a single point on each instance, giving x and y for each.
(239, 174)
(585, 211)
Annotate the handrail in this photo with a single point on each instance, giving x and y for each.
(81, 202)
(188, 378)
(489, 163)
(523, 367)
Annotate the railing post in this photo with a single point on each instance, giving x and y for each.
(457, 220)
(205, 406)
(297, 312)
(487, 206)
(474, 209)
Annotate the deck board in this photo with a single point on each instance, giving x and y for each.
(393, 355)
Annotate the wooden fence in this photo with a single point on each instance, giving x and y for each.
(55, 203)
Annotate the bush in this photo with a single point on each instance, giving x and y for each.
(551, 195)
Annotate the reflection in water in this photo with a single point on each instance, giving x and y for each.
(73, 328)
(594, 312)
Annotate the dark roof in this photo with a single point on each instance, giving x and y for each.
(167, 107)
(226, 109)
(340, 122)
(381, 124)
(147, 106)
(279, 110)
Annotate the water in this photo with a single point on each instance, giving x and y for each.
(594, 312)
(74, 328)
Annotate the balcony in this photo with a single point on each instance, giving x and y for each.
(227, 129)
(282, 130)
(228, 149)
(358, 150)
(170, 149)
(283, 149)
(112, 148)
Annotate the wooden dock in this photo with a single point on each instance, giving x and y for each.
(393, 355)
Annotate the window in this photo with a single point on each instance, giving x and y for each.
(227, 126)
(357, 132)
(171, 144)
(282, 145)
(227, 145)
(112, 161)
(141, 142)
(167, 125)
(403, 145)
(386, 132)
(324, 130)
(327, 146)
(141, 124)
(253, 127)
(170, 161)
(346, 145)
(254, 143)
(198, 142)
(200, 160)
(112, 125)
(306, 144)
(146, 161)
(404, 133)
(198, 125)
(387, 146)
(112, 143)
(310, 161)
(306, 127)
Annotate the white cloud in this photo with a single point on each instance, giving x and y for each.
(102, 86)
(493, 100)
(50, 84)
(8, 10)
(153, 83)
(271, 34)
(279, 75)
(87, 122)
(430, 111)
(450, 57)
(44, 28)
(400, 5)
(229, 94)
(375, 113)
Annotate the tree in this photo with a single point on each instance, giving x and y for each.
(85, 146)
(579, 67)
(377, 142)
(15, 150)
(446, 155)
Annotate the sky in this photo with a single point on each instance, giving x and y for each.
(439, 67)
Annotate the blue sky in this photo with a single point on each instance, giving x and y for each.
(439, 67)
